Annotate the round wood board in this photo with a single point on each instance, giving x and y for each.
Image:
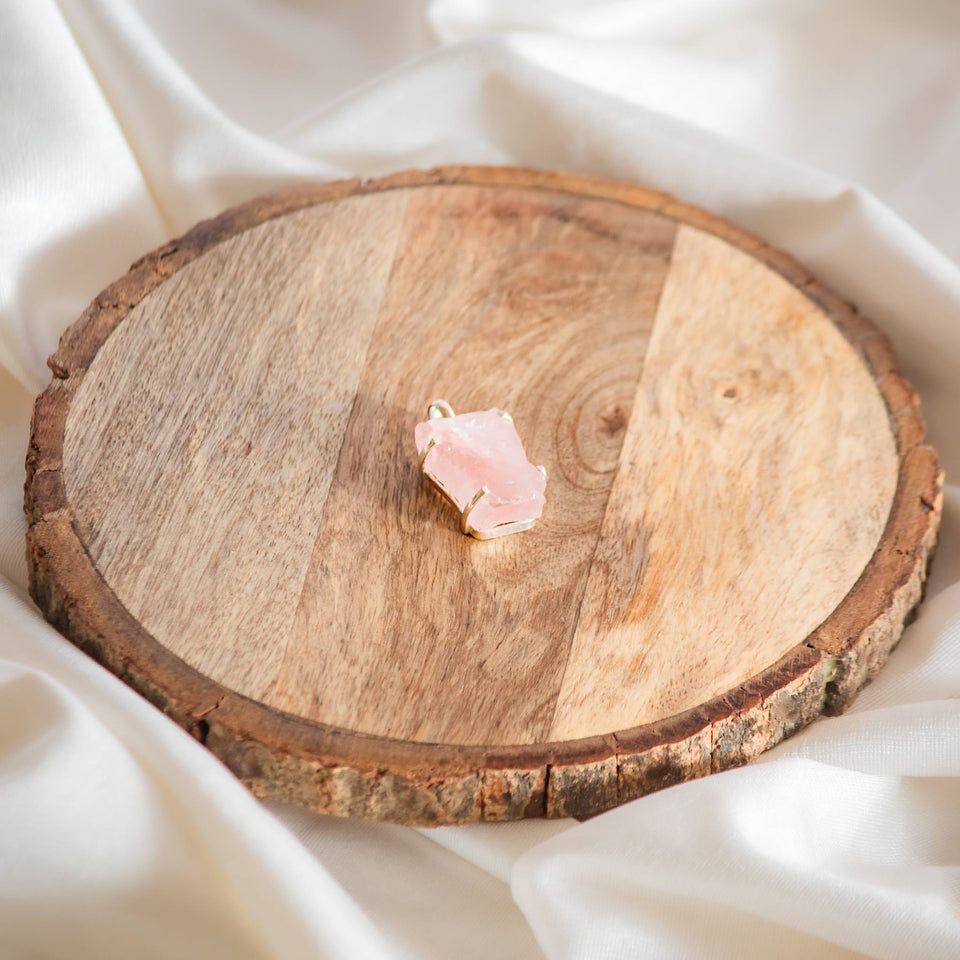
(225, 507)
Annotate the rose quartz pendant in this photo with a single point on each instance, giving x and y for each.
(477, 462)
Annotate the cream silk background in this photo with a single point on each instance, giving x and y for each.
(122, 124)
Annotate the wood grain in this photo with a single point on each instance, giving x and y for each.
(755, 480)
(199, 452)
(540, 307)
(225, 508)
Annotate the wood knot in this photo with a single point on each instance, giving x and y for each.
(613, 421)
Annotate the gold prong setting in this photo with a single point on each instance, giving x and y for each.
(427, 447)
(468, 509)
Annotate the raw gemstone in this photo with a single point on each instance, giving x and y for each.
(477, 449)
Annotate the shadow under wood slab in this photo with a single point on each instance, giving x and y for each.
(226, 510)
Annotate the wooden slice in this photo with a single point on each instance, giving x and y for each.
(225, 506)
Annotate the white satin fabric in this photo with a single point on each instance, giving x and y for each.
(121, 124)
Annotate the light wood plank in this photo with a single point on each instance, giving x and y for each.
(203, 439)
(537, 303)
(753, 486)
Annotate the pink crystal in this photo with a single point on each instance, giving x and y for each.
(483, 449)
